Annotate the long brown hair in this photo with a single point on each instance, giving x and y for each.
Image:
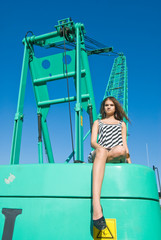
(119, 112)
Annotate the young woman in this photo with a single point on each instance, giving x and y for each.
(111, 145)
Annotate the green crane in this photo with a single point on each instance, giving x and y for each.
(42, 71)
(118, 83)
(70, 63)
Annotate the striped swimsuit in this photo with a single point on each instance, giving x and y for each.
(110, 135)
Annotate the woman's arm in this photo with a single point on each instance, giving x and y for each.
(94, 134)
(124, 133)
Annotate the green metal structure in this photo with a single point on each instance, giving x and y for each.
(54, 201)
(54, 68)
(118, 83)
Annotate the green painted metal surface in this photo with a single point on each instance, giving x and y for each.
(56, 201)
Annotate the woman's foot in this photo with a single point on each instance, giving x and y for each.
(100, 223)
(98, 218)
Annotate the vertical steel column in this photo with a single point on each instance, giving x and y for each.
(40, 150)
(44, 111)
(155, 168)
(89, 82)
(78, 107)
(47, 140)
(90, 117)
(17, 131)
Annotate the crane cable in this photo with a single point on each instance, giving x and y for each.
(68, 97)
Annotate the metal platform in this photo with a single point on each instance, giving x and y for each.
(53, 201)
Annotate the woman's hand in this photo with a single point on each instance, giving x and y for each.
(128, 160)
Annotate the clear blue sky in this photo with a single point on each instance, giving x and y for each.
(131, 27)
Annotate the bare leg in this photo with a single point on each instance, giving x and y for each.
(98, 174)
(101, 156)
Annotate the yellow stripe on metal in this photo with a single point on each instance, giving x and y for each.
(81, 121)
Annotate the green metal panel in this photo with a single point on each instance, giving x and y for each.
(124, 180)
(71, 219)
(56, 201)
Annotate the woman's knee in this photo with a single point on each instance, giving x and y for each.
(101, 152)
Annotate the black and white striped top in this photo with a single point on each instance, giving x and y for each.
(110, 135)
